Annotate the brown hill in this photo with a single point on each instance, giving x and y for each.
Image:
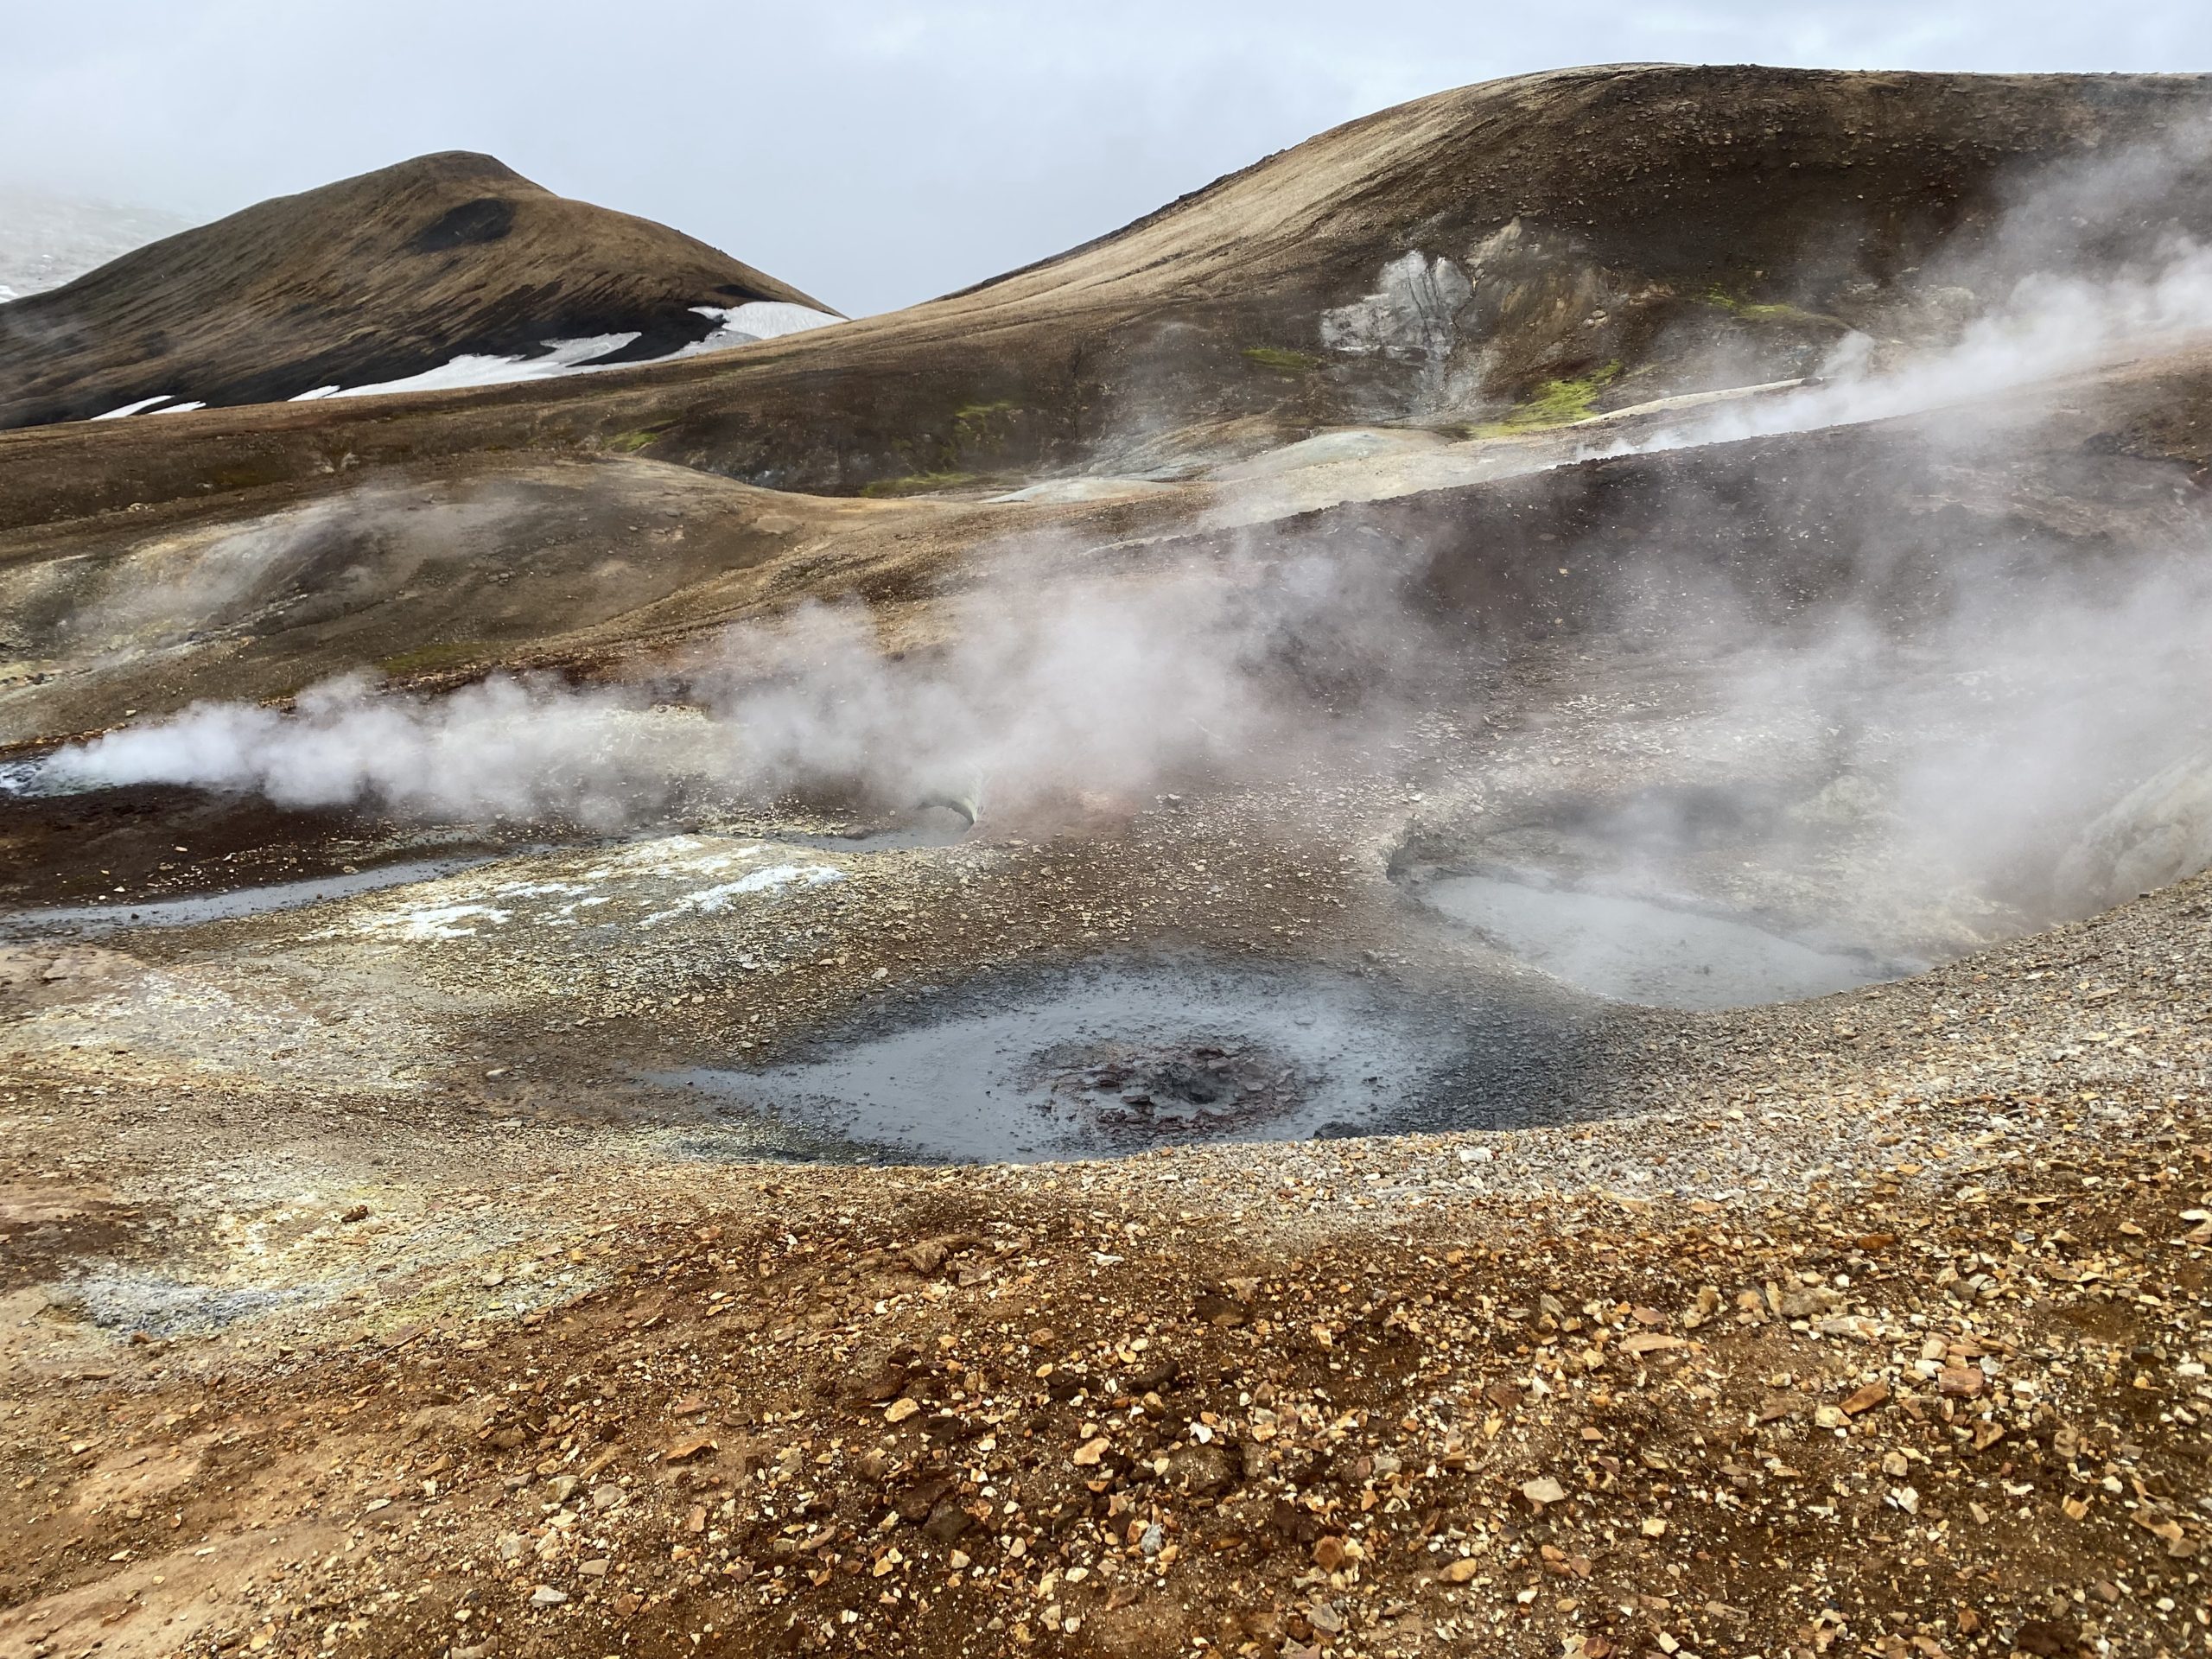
(1621, 233)
(370, 279)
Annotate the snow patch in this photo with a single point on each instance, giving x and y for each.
(471, 369)
(741, 325)
(133, 408)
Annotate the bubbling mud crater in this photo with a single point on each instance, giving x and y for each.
(1109, 1060)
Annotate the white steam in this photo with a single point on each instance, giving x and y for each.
(2092, 260)
(1103, 688)
(2045, 327)
(2036, 748)
(2028, 720)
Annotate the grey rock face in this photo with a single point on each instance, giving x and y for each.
(1412, 313)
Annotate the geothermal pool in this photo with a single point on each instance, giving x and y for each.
(1107, 1060)
(1633, 949)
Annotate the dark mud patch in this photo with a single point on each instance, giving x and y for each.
(1109, 1059)
(49, 1231)
(140, 844)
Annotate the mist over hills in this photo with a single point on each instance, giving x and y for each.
(46, 240)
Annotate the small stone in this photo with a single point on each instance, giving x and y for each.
(947, 1521)
(1654, 1526)
(1461, 1570)
(1543, 1490)
(1221, 1311)
(1866, 1399)
(358, 1212)
(546, 1596)
(1329, 1553)
(925, 1257)
(1087, 1455)
(900, 1409)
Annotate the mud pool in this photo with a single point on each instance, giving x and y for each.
(230, 906)
(1634, 949)
(1109, 1060)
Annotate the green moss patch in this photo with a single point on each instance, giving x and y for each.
(1556, 403)
(917, 484)
(424, 658)
(1792, 316)
(1282, 361)
(982, 426)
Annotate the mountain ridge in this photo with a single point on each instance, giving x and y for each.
(374, 278)
(1626, 233)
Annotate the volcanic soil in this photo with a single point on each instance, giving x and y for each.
(391, 1265)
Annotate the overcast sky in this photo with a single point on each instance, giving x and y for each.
(877, 154)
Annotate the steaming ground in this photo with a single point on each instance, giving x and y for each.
(1715, 807)
(1545, 1055)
